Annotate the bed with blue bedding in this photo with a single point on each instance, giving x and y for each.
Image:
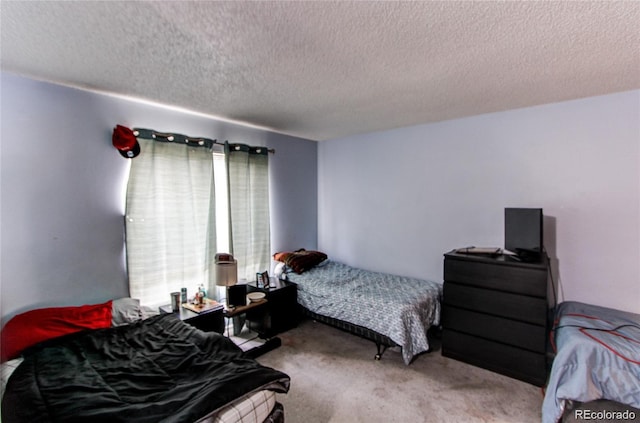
(597, 358)
(388, 309)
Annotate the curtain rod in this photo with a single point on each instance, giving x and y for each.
(183, 139)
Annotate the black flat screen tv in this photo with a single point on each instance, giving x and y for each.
(523, 229)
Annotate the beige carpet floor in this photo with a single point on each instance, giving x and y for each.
(334, 378)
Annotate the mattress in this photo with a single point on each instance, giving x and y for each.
(598, 358)
(251, 408)
(399, 307)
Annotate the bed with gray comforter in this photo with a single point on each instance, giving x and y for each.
(401, 308)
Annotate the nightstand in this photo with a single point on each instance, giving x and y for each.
(258, 344)
(282, 308)
(208, 321)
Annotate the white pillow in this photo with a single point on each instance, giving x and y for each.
(278, 270)
(125, 311)
(6, 369)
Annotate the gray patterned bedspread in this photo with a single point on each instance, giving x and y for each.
(598, 357)
(399, 307)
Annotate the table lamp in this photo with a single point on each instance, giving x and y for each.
(227, 275)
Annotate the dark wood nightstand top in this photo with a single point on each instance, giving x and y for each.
(275, 285)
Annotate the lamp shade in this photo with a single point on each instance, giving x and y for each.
(226, 273)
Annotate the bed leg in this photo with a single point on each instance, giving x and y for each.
(381, 350)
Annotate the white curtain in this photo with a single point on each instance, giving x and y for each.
(170, 221)
(248, 170)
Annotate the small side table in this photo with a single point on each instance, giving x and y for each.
(251, 311)
(208, 321)
(282, 309)
(238, 314)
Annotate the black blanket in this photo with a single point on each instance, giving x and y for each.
(157, 370)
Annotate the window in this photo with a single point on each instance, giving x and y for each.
(185, 204)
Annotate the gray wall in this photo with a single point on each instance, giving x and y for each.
(63, 184)
(397, 200)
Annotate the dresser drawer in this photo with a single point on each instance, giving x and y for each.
(502, 277)
(511, 332)
(500, 303)
(510, 361)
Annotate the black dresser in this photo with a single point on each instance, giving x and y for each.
(495, 314)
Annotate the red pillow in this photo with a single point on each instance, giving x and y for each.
(31, 327)
(301, 260)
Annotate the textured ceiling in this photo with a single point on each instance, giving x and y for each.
(322, 70)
